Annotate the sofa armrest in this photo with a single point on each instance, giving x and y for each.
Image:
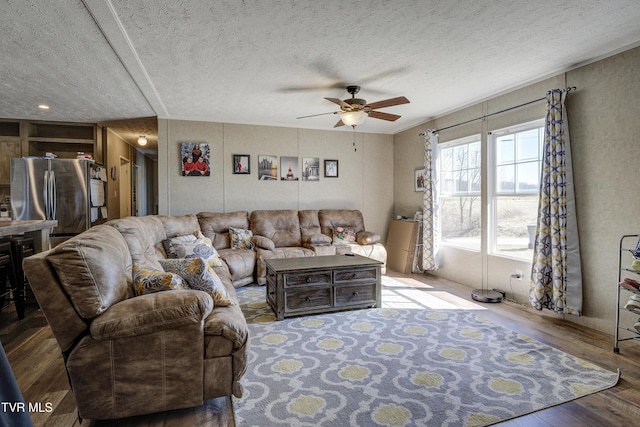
(367, 238)
(316, 240)
(263, 242)
(151, 313)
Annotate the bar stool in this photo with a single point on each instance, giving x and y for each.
(12, 293)
(22, 247)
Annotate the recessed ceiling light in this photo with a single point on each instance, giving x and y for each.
(43, 106)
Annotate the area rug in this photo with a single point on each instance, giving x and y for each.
(399, 367)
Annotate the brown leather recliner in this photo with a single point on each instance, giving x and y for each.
(241, 262)
(276, 234)
(129, 355)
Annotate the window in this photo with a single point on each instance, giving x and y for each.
(460, 192)
(517, 165)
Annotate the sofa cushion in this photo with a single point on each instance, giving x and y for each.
(215, 226)
(281, 226)
(151, 313)
(343, 235)
(332, 218)
(240, 238)
(93, 269)
(179, 225)
(200, 276)
(193, 245)
(367, 238)
(144, 236)
(147, 281)
(240, 263)
(309, 223)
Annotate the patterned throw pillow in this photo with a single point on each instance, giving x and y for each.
(146, 281)
(192, 246)
(240, 238)
(198, 275)
(343, 235)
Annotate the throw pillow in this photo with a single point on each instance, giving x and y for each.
(199, 275)
(193, 245)
(147, 281)
(240, 238)
(343, 235)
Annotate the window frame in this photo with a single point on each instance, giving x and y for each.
(468, 140)
(493, 193)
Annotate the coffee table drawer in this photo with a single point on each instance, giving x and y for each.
(356, 294)
(309, 278)
(306, 299)
(355, 275)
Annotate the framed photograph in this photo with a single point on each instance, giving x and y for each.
(418, 179)
(289, 169)
(310, 169)
(195, 159)
(330, 168)
(267, 168)
(241, 164)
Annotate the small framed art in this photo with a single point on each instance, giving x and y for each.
(241, 164)
(330, 168)
(418, 179)
(267, 168)
(289, 168)
(310, 169)
(195, 159)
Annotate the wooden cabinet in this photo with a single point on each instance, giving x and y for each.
(63, 139)
(402, 244)
(20, 138)
(10, 147)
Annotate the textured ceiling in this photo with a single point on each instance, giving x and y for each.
(268, 62)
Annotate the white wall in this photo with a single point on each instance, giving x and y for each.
(604, 122)
(365, 179)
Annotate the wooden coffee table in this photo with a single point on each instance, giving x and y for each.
(321, 284)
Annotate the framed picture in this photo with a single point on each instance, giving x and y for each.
(418, 179)
(241, 164)
(268, 168)
(195, 159)
(289, 169)
(310, 169)
(330, 168)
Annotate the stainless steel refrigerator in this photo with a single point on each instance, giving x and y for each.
(59, 189)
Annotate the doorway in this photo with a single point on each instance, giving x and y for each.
(124, 185)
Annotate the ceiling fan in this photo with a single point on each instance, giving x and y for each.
(353, 111)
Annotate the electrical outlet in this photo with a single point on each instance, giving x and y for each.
(7, 199)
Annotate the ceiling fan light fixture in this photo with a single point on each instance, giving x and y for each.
(353, 118)
(142, 141)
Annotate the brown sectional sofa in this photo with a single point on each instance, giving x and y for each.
(129, 355)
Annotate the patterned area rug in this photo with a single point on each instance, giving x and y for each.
(399, 367)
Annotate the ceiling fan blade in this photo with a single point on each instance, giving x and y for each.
(340, 123)
(320, 114)
(340, 102)
(388, 103)
(384, 116)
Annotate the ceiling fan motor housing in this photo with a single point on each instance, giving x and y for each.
(355, 103)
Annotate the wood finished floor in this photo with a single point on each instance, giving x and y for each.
(37, 365)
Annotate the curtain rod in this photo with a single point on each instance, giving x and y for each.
(569, 89)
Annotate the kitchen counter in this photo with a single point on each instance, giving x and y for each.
(39, 230)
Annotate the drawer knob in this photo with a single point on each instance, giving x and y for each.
(307, 299)
(272, 293)
(308, 279)
(355, 294)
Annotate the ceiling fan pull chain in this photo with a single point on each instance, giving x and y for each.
(354, 139)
